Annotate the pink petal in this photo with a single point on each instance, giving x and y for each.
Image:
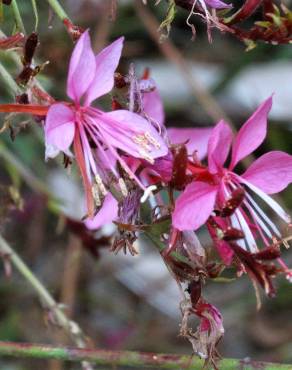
(81, 69)
(272, 172)
(121, 128)
(153, 107)
(59, 127)
(194, 206)
(107, 214)
(106, 64)
(252, 133)
(196, 139)
(219, 146)
(217, 4)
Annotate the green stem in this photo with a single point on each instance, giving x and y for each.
(58, 9)
(9, 81)
(125, 358)
(17, 17)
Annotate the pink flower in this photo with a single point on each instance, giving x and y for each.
(269, 174)
(97, 136)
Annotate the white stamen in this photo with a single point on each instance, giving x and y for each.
(258, 221)
(148, 193)
(247, 232)
(263, 215)
(270, 201)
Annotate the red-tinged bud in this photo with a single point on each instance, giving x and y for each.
(6, 2)
(233, 203)
(74, 31)
(120, 81)
(269, 253)
(11, 41)
(180, 162)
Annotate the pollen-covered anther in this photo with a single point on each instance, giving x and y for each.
(142, 141)
(123, 187)
(100, 185)
(95, 194)
(151, 140)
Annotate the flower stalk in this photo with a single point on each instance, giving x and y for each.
(58, 9)
(123, 358)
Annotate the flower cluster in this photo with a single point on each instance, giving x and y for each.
(129, 162)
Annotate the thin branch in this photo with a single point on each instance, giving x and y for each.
(125, 358)
(17, 16)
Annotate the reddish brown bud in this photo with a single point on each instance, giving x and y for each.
(22, 99)
(74, 31)
(269, 253)
(232, 234)
(180, 162)
(29, 48)
(233, 203)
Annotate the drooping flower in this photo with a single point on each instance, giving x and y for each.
(269, 174)
(98, 137)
